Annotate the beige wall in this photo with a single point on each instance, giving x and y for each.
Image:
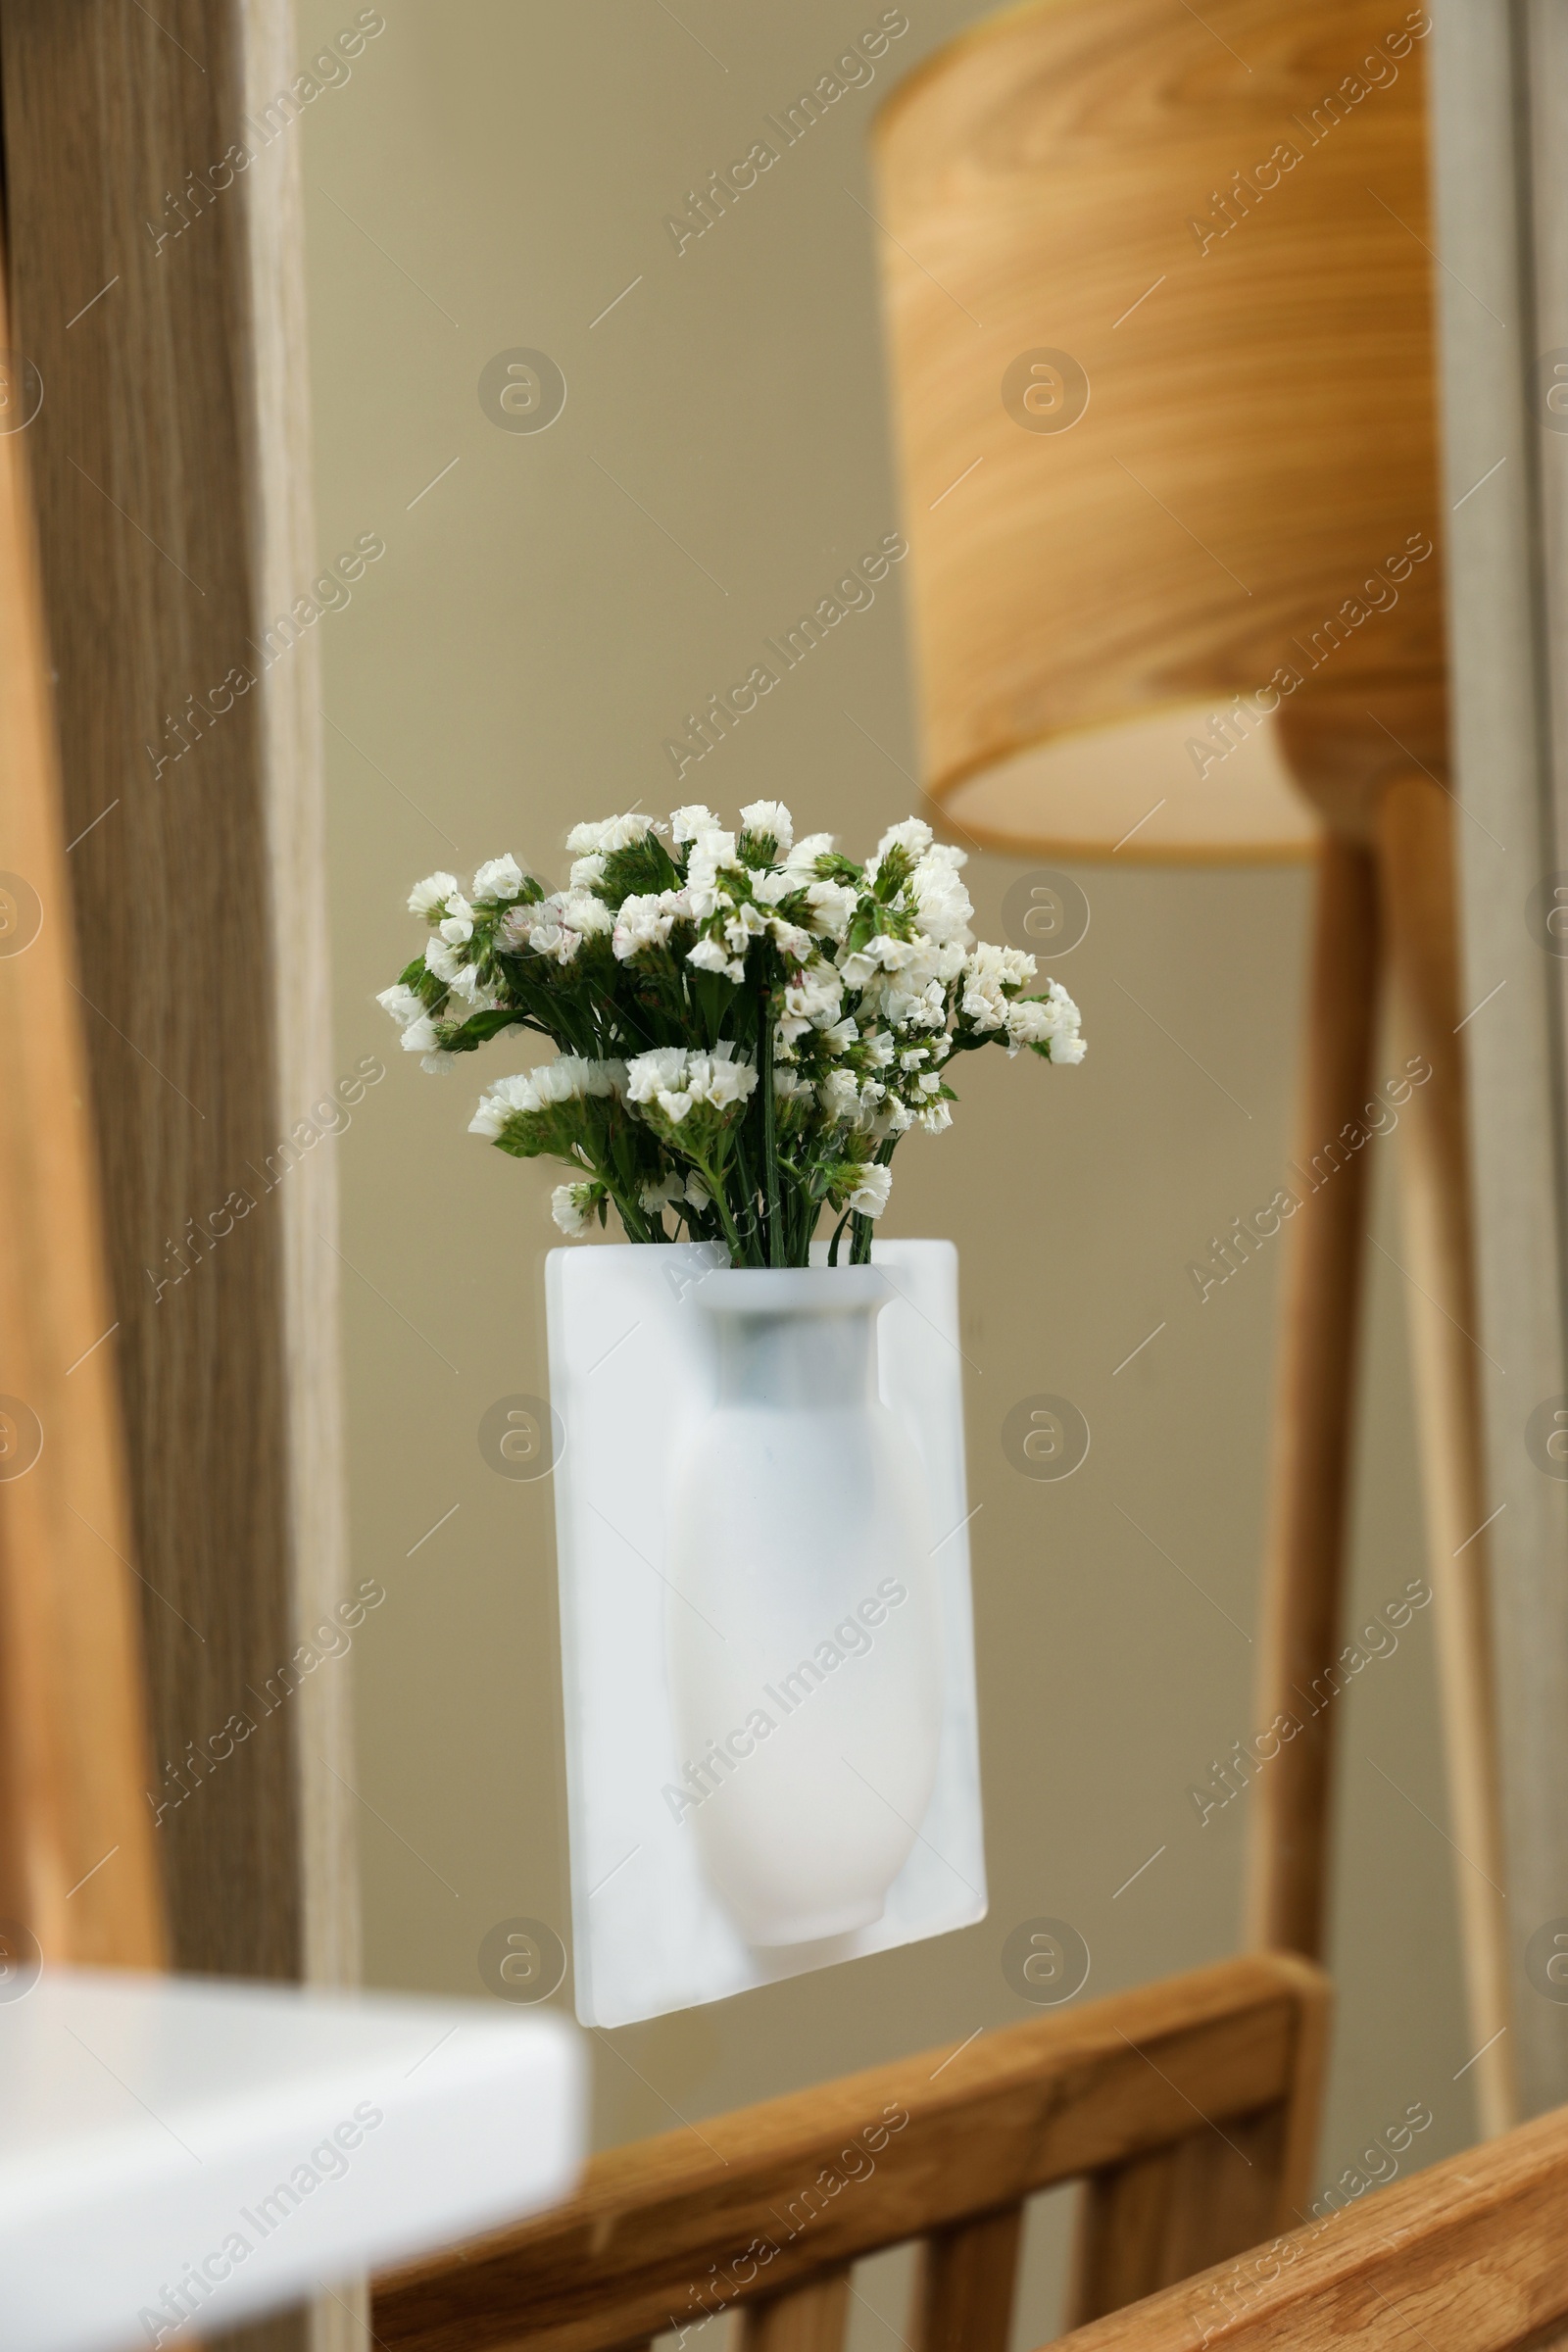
(491, 176)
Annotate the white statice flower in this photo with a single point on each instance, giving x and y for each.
(402, 1004)
(1063, 1019)
(562, 921)
(846, 1099)
(943, 906)
(433, 892)
(478, 994)
(987, 971)
(817, 997)
(833, 904)
(789, 939)
(645, 922)
(458, 923)
(569, 1078)
(660, 1070)
(912, 835)
(711, 852)
(718, 1078)
(570, 1206)
(443, 960)
(773, 818)
(711, 955)
(609, 833)
(675, 1078)
(440, 1064)
(861, 1039)
(871, 1195)
(1028, 1024)
(800, 861)
(498, 878)
(687, 823)
(743, 925)
(882, 953)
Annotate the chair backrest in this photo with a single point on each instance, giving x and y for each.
(1470, 2255)
(1188, 2107)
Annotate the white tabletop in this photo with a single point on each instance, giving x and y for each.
(177, 2147)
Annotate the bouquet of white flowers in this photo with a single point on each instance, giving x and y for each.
(744, 1024)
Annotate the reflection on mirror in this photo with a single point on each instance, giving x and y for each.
(924, 1606)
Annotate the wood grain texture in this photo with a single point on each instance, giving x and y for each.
(1468, 2256)
(1259, 432)
(810, 2319)
(1289, 1828)
(169, 465)
(1502, 203)
(965, 2286)
(1167, 2212)
(1175, 2211)
(765, 2199)
(1421, 925)
(77, 1867)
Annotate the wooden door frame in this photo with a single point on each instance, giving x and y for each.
(158, 285)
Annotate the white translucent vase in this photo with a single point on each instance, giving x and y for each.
(802, 1618)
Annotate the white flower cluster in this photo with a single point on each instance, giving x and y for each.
(674, 1079)
(567, 1079)
(746, 1023)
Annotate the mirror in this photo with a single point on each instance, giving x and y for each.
(602, 409)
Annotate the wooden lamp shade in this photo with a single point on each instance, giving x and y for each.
(1160, 319)
(1158, 291)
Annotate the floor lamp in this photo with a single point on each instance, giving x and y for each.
(1159, 313)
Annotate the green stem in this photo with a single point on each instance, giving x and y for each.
(764, 1075)
(716, 1189)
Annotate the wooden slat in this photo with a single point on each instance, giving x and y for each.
(966, 2285)
(810, 2319)
(76, 1863)
(1314, 1411)
(761, 2199)
(1416, 829)
(1469, 2257)
(1162, 2215)
(1175, 2211)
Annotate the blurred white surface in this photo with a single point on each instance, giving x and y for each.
(176, 2149)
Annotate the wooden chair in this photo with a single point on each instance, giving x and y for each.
(1470, 2256)
(1188, 2108)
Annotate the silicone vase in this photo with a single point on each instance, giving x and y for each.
(802, 1622)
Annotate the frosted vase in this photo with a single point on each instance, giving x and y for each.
(805, 1662)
